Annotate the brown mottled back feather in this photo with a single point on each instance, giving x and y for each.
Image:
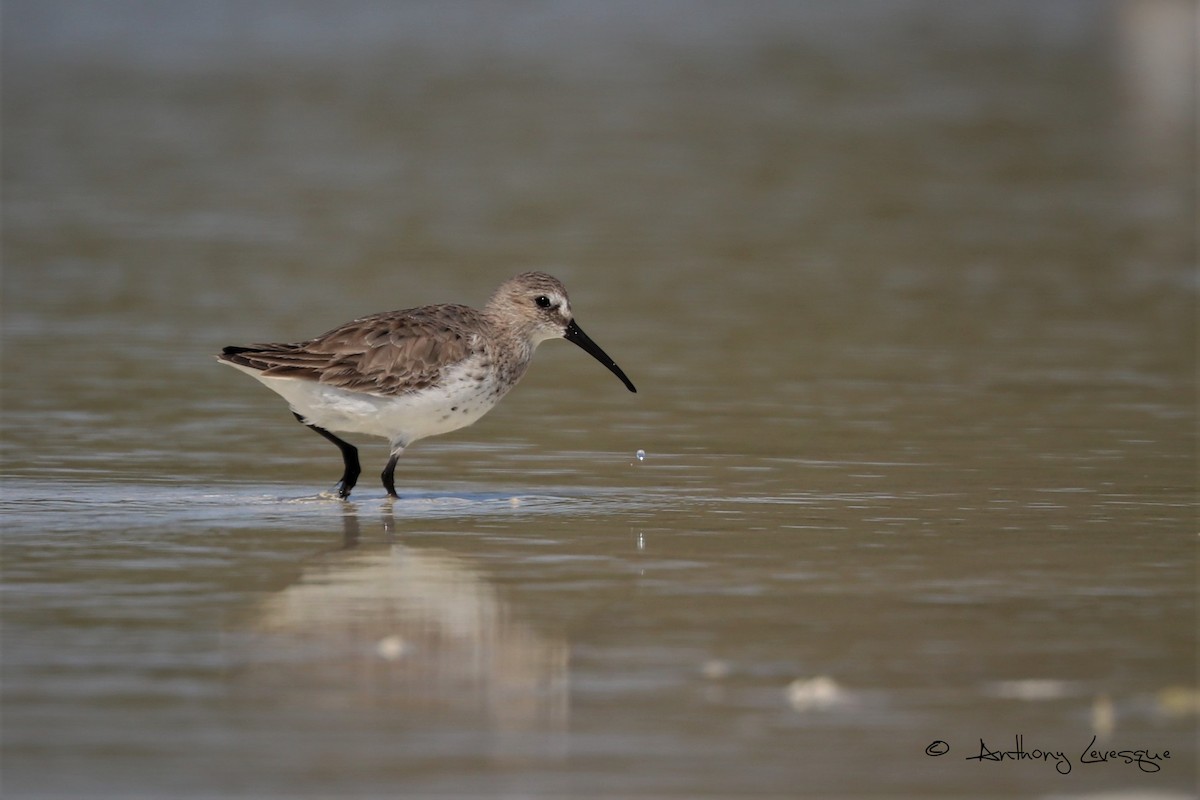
(392, 353)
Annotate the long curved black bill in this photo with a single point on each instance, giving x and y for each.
(574, 335)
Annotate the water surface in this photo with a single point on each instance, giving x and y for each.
(908, 293)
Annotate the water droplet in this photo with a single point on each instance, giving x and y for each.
(641, 455)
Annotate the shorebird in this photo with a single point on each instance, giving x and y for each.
(418, 372)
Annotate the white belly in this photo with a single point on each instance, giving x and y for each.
(455, 402)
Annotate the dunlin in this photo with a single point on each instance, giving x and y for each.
(405, 375)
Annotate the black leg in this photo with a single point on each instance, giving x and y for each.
(389, 475)
(349, 458)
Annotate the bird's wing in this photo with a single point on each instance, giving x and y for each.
(388, 354)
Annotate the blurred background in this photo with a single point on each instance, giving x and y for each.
(908, 289)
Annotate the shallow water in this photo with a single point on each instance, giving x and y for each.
(908, 293)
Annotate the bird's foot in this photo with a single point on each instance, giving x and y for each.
(338, 492)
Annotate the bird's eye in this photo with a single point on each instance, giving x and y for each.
(542, 301)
